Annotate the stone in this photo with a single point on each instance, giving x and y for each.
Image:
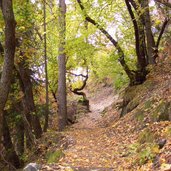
(161, 143)
(32, 167)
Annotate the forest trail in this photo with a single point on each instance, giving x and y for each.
(91, 146)
(98, 102)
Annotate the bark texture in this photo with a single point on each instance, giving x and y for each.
(20, 137)
(9, 51)
(11, 155)
(139, 36)
(46, 72)
(28, 100)
(149, 35)
(62, 103)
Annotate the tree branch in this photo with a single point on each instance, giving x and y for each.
(136, 30)
(1, 49)
(162, 31)
(38, 33)
(77, 75)
(109, 37)
(83, 86)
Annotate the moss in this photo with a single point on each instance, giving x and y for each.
(131, 98)
(164, 109)
(148, 153)
(149, 84)
(167, 131)
(148, 104)
(161, 112)
(154, 116)
(139, 115)
(130, 93)
(133, 104)
(53, 157)
(144, 152)
(146, 136)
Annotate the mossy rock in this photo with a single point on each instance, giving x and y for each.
(165, 111)
(133, 104)
(130, 93)
(130, 106)
(162, 112)
(131, 98)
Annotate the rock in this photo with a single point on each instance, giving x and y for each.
(161, 143)
(32, 167)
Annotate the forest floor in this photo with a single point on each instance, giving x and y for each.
(102, 141)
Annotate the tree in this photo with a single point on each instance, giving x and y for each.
(146, 48)
(46, 71)
(142, 10)
(136, 77)
(28, 99)
(62, 103)
(9, 51)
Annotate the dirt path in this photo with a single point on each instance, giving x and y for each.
(101, 100)
(92, 147)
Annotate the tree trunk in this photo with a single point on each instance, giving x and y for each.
(11, 155)
(149, 35)
(139, 36)
(21, 107)
(5, 82)
(20, 137)
(28, 100)
(46, 72)
(62, 103)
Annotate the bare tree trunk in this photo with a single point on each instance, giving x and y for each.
(5, 82)
(149, 35)
(28, 97)
(62, 102)
(11, 155)
(20, 137)
(30, 139)
(46, 73)
(21, 107)
(139, 36)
